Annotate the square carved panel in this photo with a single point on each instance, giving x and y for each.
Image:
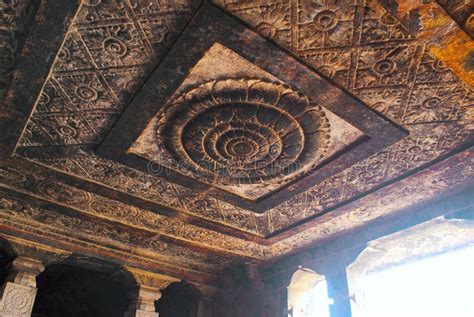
(235, 127)
(221, 118)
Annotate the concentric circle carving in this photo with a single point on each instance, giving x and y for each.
(267, 29)
(67, 131)
(431, 103)
(86, 93)
(115, 47)
(64, 55)
(385, 66)
(325, 20)
(244, 131)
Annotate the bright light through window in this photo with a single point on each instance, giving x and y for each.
(315, 302)
(439, 286)
(308, 295)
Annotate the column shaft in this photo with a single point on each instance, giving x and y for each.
(143, 304)
(338, 290)
(19, 291)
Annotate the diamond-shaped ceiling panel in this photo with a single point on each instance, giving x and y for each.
(249, 136)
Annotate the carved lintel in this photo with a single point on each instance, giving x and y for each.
(34, 250)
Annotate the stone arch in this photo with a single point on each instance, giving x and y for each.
(7, 255)
(302, 282)
(179, 299)
(82, 286)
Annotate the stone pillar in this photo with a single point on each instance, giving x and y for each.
(338, 291)
(19, 291)
(147, 292)
(143, 302)
(334, 269)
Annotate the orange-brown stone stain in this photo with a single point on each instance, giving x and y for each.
(457, 53)
(444, 39)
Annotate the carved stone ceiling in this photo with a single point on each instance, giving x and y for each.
(188, 135)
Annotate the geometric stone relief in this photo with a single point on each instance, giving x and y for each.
(248, 135)
(415, 190)
(17, 300)
(57, 226)
(420, 147)
(111, 210)
(385, 76)
(108, 50)
(238, 129)
(380, 60)
(112, 46)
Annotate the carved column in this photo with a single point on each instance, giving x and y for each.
(147, 292)
(19, 291)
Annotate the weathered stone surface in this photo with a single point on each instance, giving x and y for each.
(406, 65)
(18, 293)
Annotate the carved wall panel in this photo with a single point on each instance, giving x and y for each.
(17, 300)
(132, 181)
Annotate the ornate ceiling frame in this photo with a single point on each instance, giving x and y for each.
(442, 141)
(211, 25)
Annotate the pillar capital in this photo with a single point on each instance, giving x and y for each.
(147, 292)
(151, 279)
(24, 271)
